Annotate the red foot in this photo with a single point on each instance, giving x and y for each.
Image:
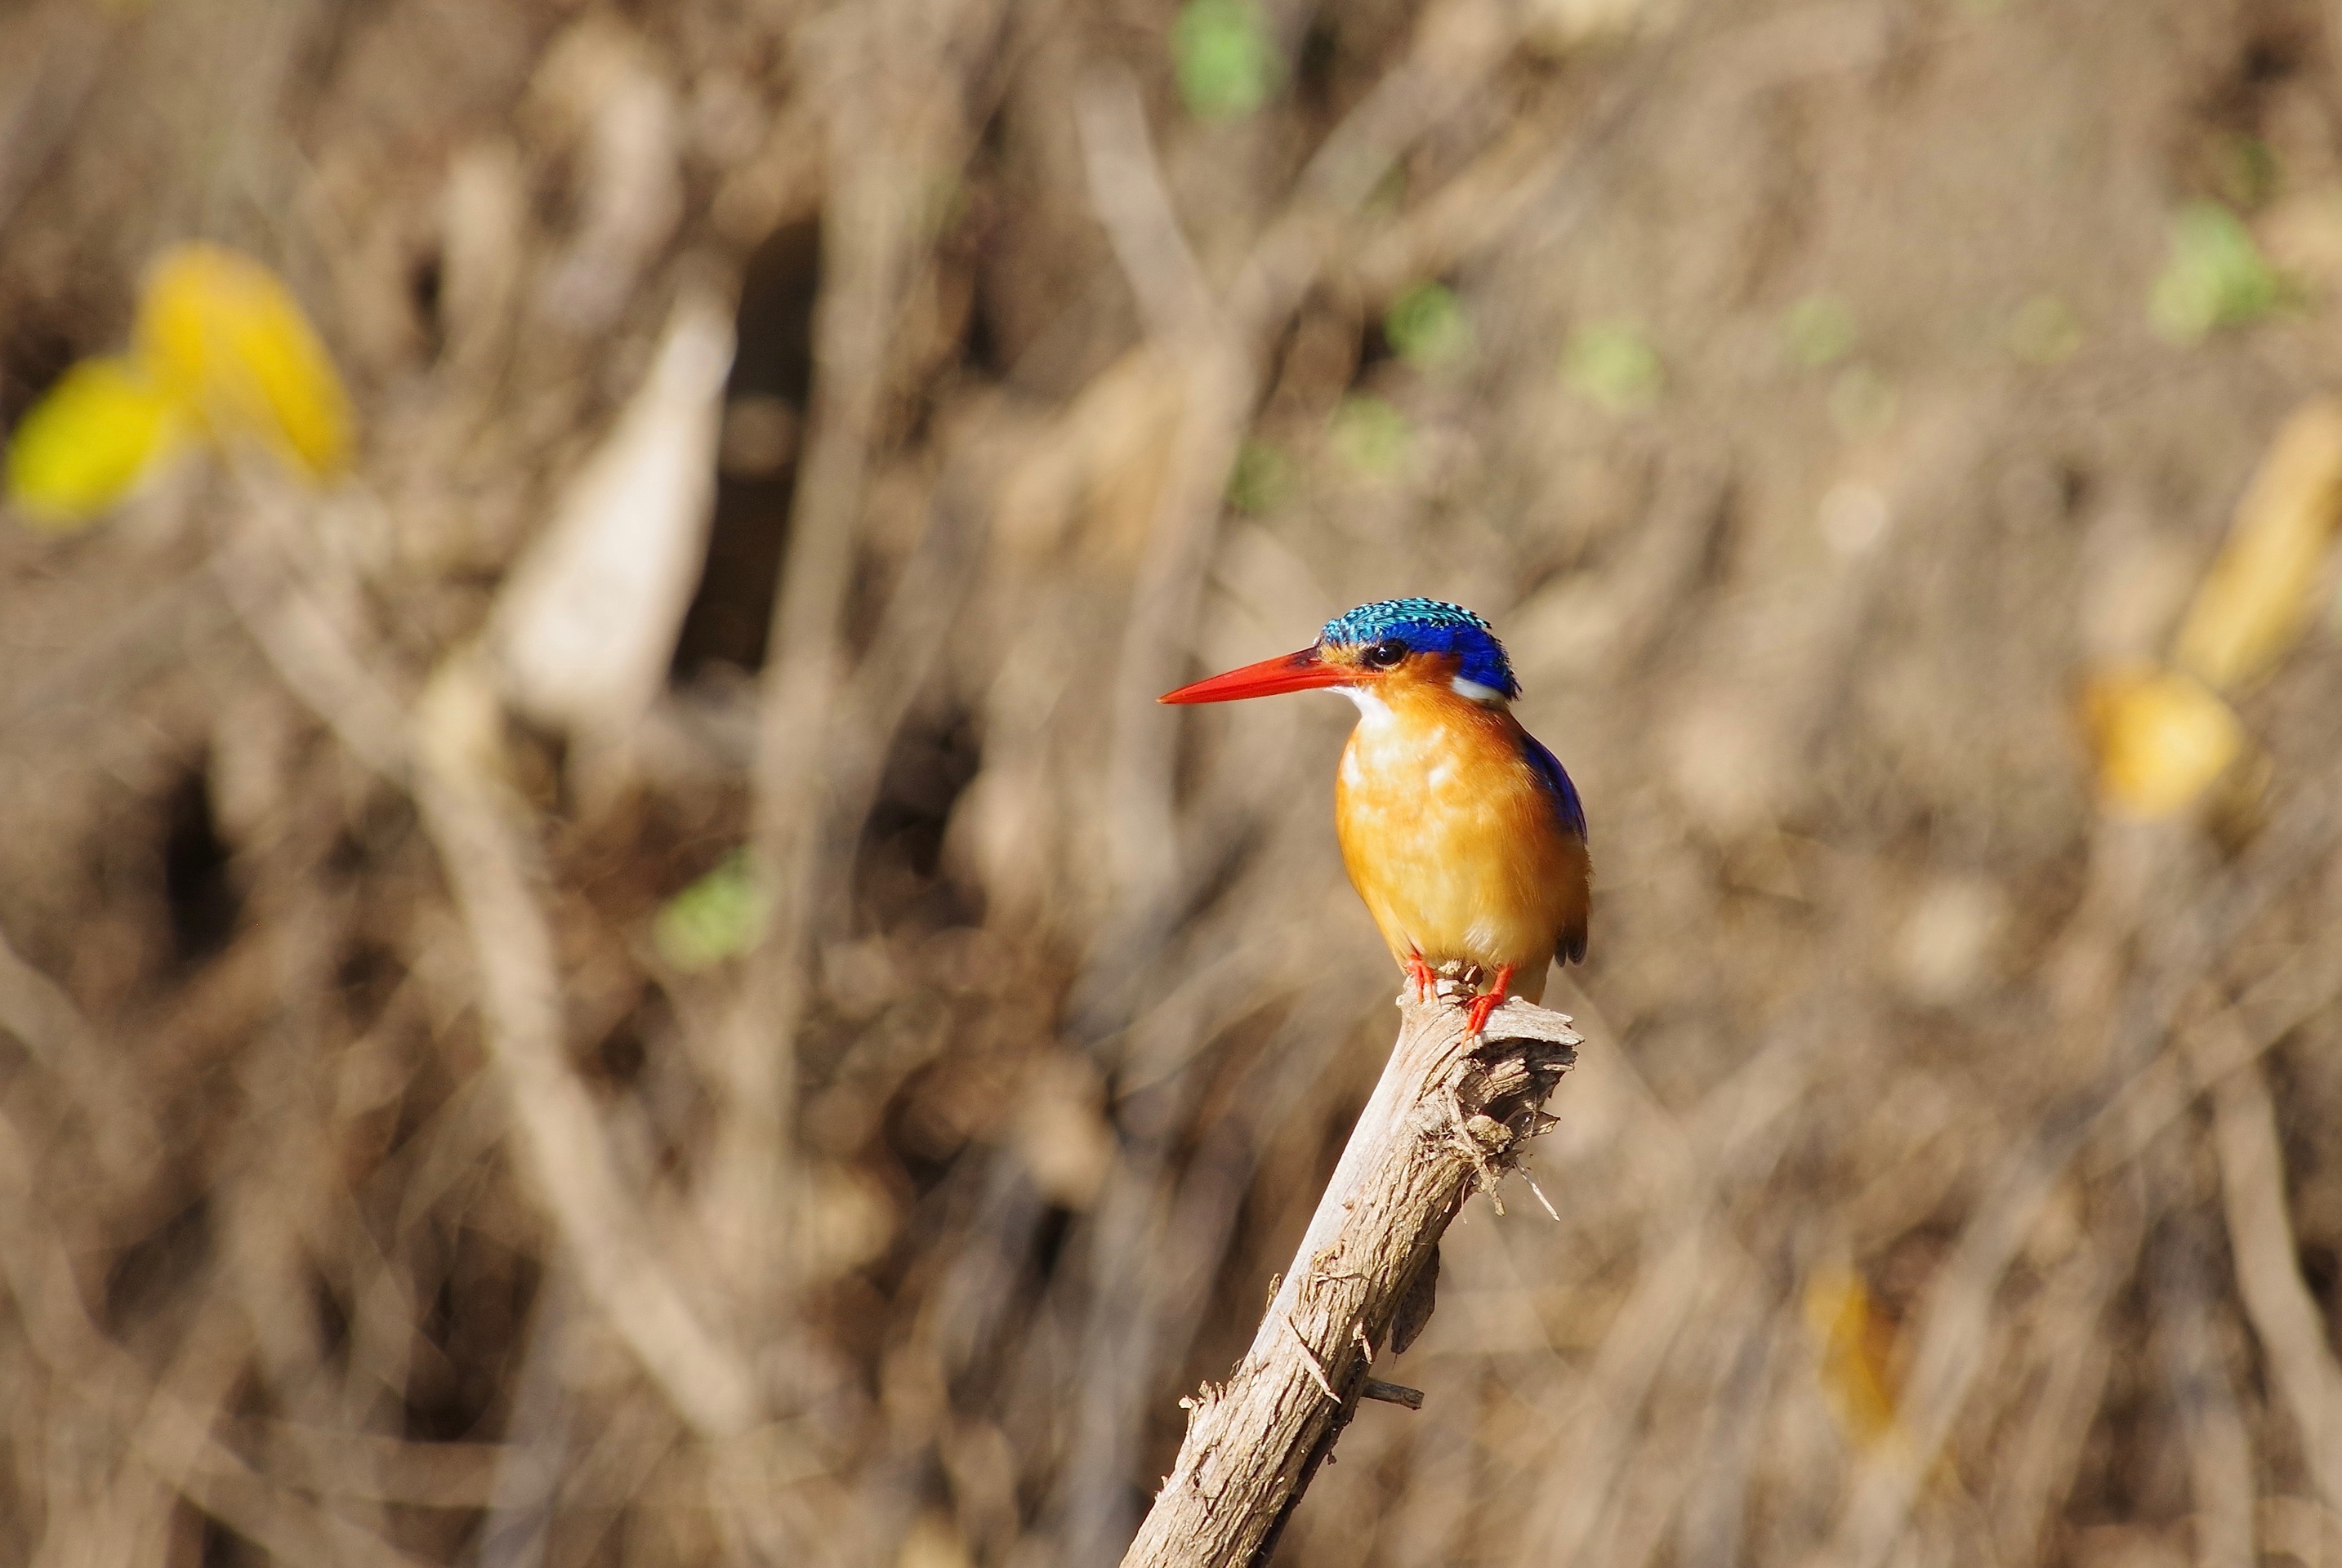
(1488, 1001)
(1424, 977)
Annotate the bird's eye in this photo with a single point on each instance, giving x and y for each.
(1382, 655)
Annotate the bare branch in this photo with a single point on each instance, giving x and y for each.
(866, 241)
(2286, 1317)
(1447, 1118)
(1128, 196)
(491, 867)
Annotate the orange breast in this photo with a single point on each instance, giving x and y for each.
(1451, 839)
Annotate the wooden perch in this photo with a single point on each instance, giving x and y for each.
(1446, 1120)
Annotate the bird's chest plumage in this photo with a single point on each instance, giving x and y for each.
(1450, 838)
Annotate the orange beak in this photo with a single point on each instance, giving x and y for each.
(1298, 671)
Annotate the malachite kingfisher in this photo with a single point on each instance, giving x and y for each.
(1460, 830)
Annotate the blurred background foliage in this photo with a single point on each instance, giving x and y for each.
(603, 957)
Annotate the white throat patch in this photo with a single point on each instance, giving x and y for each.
(1372, 709)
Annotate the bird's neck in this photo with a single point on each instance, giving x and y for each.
(1397, 718)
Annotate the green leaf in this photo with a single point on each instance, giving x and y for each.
(720, 916)
(1426, 326)
(1369, 435)
(1610, 363)
(2246, 171)
(87, 444)
(1820, 329)
(2215, 276)
(1262, 479)
(1226, 64)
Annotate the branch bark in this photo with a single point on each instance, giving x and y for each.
(1446, 1120)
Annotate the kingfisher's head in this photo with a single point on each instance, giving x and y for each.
(1393, 642)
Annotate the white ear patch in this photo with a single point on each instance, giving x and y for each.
(1474, 691)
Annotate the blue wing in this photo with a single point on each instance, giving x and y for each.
(1555, 780)
(1571, 946)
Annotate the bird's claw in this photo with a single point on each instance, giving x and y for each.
(1424, 979)
(1477, 1020)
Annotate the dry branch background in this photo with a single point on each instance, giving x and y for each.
(371, 1190)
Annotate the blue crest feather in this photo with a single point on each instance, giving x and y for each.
(1430, 625)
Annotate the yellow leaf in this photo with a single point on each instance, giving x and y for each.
(225, 335)
(2162, 738)
(86, 443)
(1854, 1341)
(2255, 602)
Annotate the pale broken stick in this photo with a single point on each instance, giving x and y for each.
(1446, 1120)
